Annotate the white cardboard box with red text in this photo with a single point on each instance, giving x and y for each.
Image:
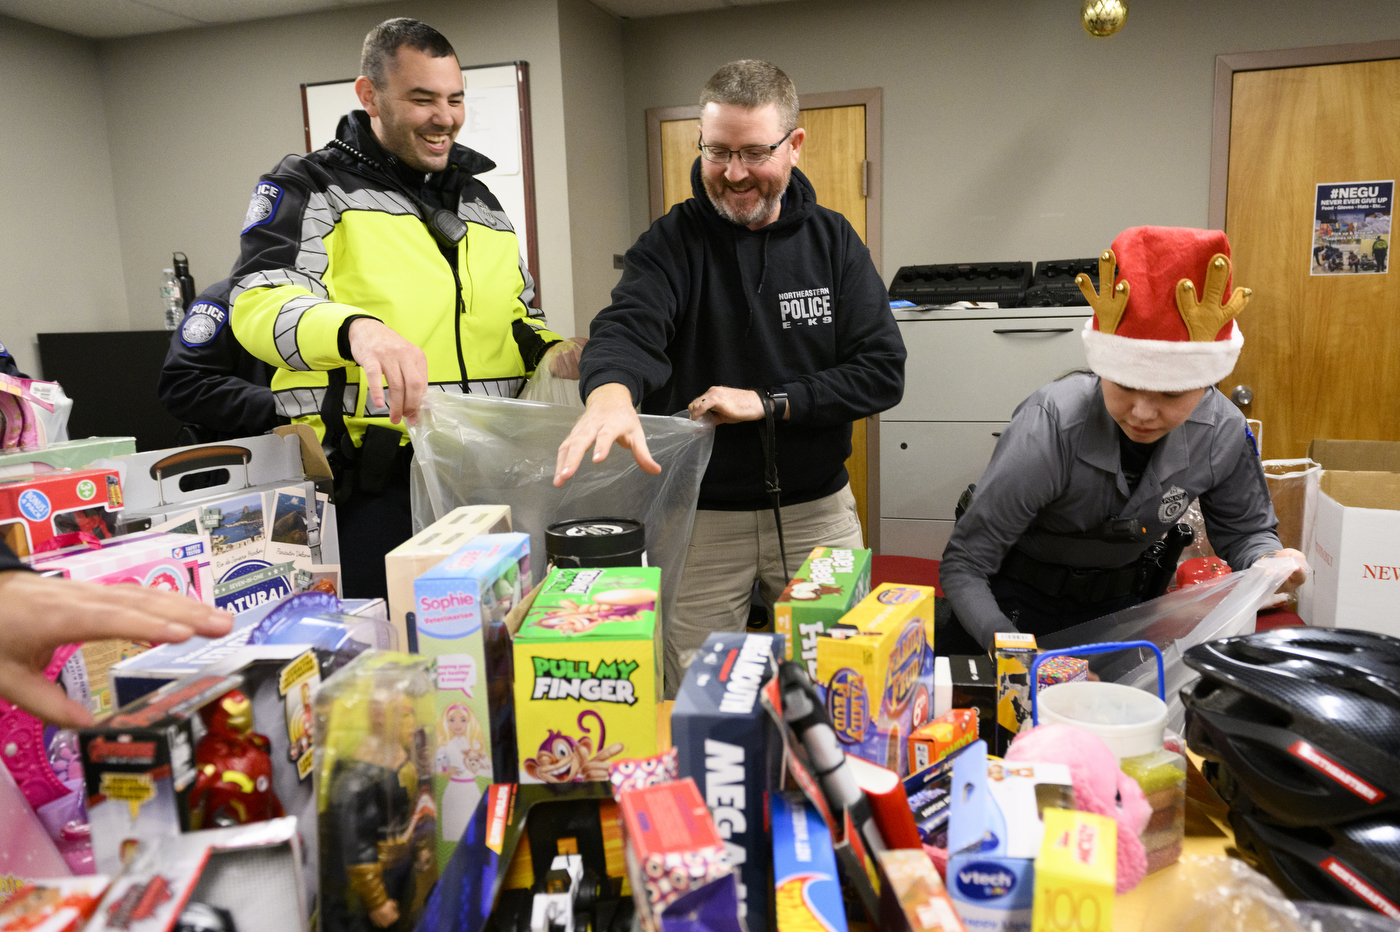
(1356, 552)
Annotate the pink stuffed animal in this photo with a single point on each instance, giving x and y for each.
(1099, 787)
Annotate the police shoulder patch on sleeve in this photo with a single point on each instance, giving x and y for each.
(3, 351)
(202, 324)
(263, 206)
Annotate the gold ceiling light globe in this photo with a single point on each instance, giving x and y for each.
(1103, 18)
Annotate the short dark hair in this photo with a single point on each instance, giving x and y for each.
(384, 41)
(752, 84)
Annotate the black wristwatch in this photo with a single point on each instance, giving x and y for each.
(780, 404)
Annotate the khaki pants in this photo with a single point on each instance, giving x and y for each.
(729, 551)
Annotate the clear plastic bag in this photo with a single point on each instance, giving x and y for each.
(1176, 622)
(479, 450)
(553, 389)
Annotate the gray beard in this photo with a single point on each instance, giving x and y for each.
(760, 211)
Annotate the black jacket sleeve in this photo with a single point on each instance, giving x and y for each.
(210, 380)
(8, 366)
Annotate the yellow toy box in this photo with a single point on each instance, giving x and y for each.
(1014, 653)
(1075, 873)
(587, 658)
(875, 672)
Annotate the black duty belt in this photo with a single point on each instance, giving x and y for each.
(1079, 584)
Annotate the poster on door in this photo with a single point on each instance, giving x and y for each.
(1351, 228)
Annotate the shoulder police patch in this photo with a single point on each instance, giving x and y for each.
(202, 324)
(263, 206)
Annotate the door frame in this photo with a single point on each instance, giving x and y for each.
(872, 98)
(1225, 68)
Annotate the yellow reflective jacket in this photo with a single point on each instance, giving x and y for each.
(334, 235)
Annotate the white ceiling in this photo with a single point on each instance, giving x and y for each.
(111, 19)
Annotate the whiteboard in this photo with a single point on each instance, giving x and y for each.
(497, 125)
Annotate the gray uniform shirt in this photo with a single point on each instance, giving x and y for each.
(1056, 479)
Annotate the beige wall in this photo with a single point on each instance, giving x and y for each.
(59, 257)
(196, 116)
(1009, 133)
(590, 54)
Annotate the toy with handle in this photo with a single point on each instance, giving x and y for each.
(1107, 647)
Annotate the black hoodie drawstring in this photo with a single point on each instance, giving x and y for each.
(762, 273)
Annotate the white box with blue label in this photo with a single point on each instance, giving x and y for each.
(461, 606)
(994, 834)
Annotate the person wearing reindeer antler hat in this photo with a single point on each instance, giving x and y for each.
(1096, 467)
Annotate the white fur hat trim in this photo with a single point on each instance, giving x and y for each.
(1160, 365)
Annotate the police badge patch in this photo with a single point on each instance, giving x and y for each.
(263, 206)
(202, 324)
(1174, 502)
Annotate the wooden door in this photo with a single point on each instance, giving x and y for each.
(1321, 352)
(834, 160)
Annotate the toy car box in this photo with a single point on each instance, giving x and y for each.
(729, 746)
(36, 509)
(587, 663)
(875, 672)
(427, 549)
(462, 605)
(830, 582)
(807, 889)
(994, 836)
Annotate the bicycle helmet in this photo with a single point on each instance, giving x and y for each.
(1354, 865)
(1305, 720)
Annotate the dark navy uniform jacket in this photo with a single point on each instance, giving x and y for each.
(209, 381)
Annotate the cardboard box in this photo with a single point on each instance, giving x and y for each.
(1076, 872)
(461, 608)
(1355, 552)
(427, 549)
(829, 584)
(36, 509)
(66, 454)
(729, 746)
(915, 899)
(876, 677)
(934, 741)
(995, 833)
(974, 686)
(588, 672)
(1014, 653)
(807, 893)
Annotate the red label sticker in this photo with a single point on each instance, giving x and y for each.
(1311, 755)
(498, 799)
(1360, 887)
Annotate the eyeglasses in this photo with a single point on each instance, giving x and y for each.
(753, 155)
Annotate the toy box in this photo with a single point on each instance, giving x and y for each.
(876, 673)
(1076, 873)
(587, 662)
(373, 765)
(994, 835)
(676, 860)
(1014, 653)
(427, 549)
(915, 899)
(828, 585)
(930, 799)
(66, 454)
(807, 893)
(173, 562)
(461, 610)
(729, 746)
(934, 741)
(251, 872)
(974, 686)
(62, 904)
(36, 509)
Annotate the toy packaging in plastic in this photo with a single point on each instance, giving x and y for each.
(36, 509)
(170, 562)
(462, 605)
(587, 688)
(829, 584)
(676, 860)
(1075, 872)
(807, 888)
(62, 904)
(1014, 653)
(877, 675)
(995, 833)
(427, 549)
(251, 872)
(33, 414)
(374, 731)
(729, 746)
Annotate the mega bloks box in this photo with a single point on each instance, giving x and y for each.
(875, 672)
(1015, 653)
(36, 509)
(461, 607)
(1076, 872)
(729, 746)
(807, 889)
(830, 582)
(994, 836)
(587, 672)
(427, 549)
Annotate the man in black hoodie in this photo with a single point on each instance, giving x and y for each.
(746, 299)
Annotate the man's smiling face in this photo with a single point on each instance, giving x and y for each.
(418, 111)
